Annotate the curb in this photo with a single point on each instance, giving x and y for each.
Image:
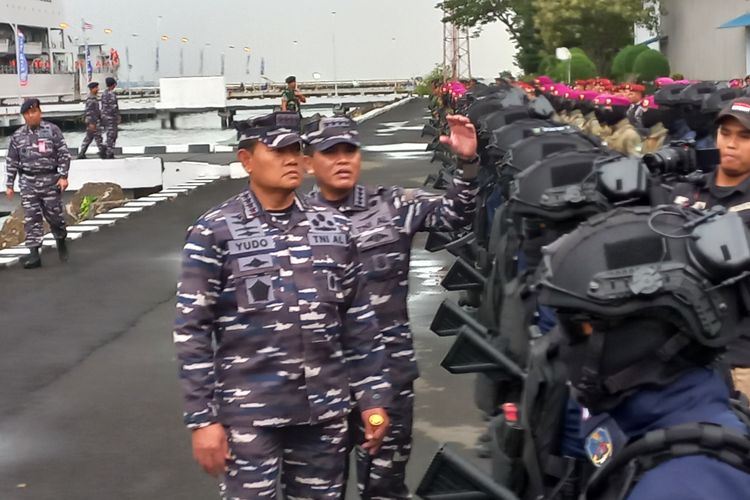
(12, 256)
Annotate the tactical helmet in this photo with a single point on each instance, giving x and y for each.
(644, 294)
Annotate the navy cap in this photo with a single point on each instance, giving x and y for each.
(93, 85)
(28, 103)
(277, 130)
(110, 81)
(329, 132)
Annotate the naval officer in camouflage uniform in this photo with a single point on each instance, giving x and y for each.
(39, 157)
(110, 115)
(92, 117)
(385, 221)
(275, 334)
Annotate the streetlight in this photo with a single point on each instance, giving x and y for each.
(64, 25)
(184, 40)
(203, 48)
(107, 31)
(335, 76)
(127, 61)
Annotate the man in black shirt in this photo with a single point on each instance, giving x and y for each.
(728, 186)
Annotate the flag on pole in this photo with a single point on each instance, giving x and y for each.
(157, 58)
(262, 66)
(247, 65)
(23, 64)
(87, 26)
(89, 66)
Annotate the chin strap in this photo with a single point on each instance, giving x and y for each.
(649, 370)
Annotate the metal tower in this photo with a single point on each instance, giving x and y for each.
(456, 52)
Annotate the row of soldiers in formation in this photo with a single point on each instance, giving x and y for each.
(101, 119)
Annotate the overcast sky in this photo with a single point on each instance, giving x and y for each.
(374, 38)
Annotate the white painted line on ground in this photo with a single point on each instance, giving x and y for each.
(110, 215)
(123, 210)
(162, 194)
(82, 229)
(14, 251)
(100, 222)
(175, 190)
(9, 261)
(140, 204)
(157, 199)
(221, 148)
(178, 148)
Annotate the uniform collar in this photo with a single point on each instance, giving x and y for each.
(723, 192)
(252, 207)
(355, 202)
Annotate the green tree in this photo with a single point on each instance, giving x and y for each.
(650, 65)
(622, 64)
(598, 27)
(581, 68)
(516, 15)
(424, 88)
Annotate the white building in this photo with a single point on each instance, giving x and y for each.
(704, 39)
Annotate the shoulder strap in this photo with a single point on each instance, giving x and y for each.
(616, 478)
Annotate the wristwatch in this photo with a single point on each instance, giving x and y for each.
(470, 167)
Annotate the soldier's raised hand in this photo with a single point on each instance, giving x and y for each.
(9, 193)
(463, 137)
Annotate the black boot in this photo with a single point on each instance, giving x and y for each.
(33, 260)
(102, 154)
(81, 156)
(62, 249)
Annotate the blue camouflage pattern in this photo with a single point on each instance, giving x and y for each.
(274, 327)
(110, 119)
(385, 221)
(39, 158)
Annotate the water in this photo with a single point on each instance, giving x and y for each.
(198, 128)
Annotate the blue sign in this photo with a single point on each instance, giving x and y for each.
(23, 64)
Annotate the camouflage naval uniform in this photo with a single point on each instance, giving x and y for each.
(576, 119)
(39, 157)
(385, 221)
(110, 119)
(592, 125)
(274, 334)
(92, 116)
(625, 138)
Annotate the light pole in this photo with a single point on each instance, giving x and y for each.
(184, 40)
(130, 66)
(205, 45)
(247, 60)
(335, 75)
(223, 59)
(158, 46)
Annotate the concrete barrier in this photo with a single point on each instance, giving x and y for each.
(175, 173)
(128, 173)
(236, 171)
(192, 93)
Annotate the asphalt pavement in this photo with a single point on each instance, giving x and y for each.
(90, 406)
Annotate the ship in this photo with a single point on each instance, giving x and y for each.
(40, 55)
